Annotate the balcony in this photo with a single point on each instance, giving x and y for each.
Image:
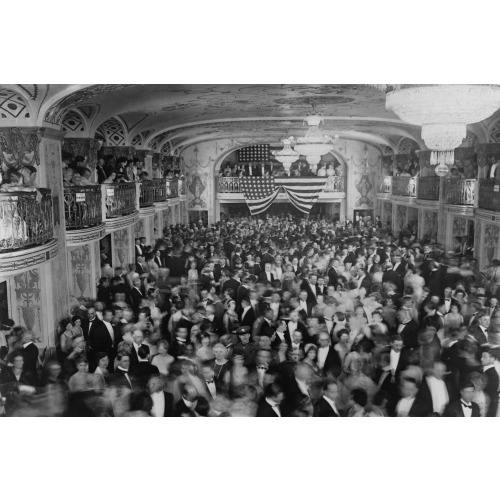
(26, 230)
(460, 192)
(428, 188)
(386, 186)
(489, 194)
(404, 186)
(119, 199)
(233, 185)
(147, 193)
(173, 188)
(82, 206)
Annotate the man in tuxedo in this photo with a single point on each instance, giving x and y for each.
(463, 407)
(232, 282)
(136, 296)
(435, 391)
(267, 328)
(351, 256)
(294, 325)
(304, 304)
(91, 323)
(266, 258)
(328, 359)
(266, 276)
(407, 406)
(448, 301)
(333, 272)
(138, 248)
(407, 329)
(30, 355)
(398, 265)
(320, 286)
(101, 339)
(488, 358)
(270, 404)
(158, 259)
(326, 406)
(135, 356)
(309, 286)
(141, 267)
(391, 276)
(186, 407)
(480, 331)
(121, 377)
(163, 401)
(296, 387)
(247, 316)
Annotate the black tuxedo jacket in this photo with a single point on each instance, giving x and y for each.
(30, 356)
(136, 298)
(455, 409)
(311, 296)
(248, 319)
(118, 379)
(133, 355)
(301, 328)
(492, 390)
(333, 277)
(323, 409)
(99, 338)
(409, 335)
(241, 293)
(265, 409)
(263, 277)
(333, 365)
(266, 329)
(230, 283)
(424, 398)
(478, 334)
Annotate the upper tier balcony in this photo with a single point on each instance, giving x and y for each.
(335, 186)
(82, 206)
(460, 192)
(428, 188)
(489, 194)
(404, 186)
(26, 230)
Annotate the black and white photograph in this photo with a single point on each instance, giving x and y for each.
(172, 248)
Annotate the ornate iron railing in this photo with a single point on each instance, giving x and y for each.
(120, 199)
(335, 184)
(147, 194)
(489, 194)
(404, 186)
(160, 190)
(428, 188)
(460, 191)
(82, 206)
(25, 220)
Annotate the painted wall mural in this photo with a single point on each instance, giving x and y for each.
(430, 228)
(387, 214)
(120, 247)
(490, 244)
(460, 226)
(29, 302)
(81, 263)
(401, 211)
(19, 147)
(139, 229)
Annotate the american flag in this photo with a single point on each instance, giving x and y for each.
(257, 152)
(260, 192)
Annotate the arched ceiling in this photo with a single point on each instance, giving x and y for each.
(178, 115)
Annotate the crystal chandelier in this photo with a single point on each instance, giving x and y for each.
(314, 145)
(287, 155)
(443, 112)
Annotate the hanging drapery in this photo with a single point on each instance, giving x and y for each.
(260, 192)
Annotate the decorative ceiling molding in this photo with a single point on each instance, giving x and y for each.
(13, 106)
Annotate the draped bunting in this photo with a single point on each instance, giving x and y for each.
(260, 192)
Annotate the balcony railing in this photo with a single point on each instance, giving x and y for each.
(404, 186)
(24, 220)
(120, 199)
(82, 206)
(147, 194)
(460, 191)
(334, 184)
(428, 188)
(489, 194)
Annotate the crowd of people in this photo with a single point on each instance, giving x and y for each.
(109, 170)
(271, 317)
(268, 169)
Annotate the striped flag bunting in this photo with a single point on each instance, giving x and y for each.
(260, 192)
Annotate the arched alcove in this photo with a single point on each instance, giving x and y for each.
(113, 132)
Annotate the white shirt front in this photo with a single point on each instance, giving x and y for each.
(274, 406)
(467, 411)
(404, 406)
(211, 388)
(303, 305)
(322, 355)
(447, 304)
(439, 394)
(304, 389)
(291, 328)
(493, 170)
(394, 360)
(275, 306)
(158, 409)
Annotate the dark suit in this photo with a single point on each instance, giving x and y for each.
(333, 365)
(134, 359)
(118, 379)
(266, 329)
(455, 409)
(248, 319)
(230, 283)
(409, 334)
(265, 409)
(135, 299)
(323, 409)
(492, 390)
(333, 277)
(30, 356)
(478, 334)
(263, 277)
(424, 397)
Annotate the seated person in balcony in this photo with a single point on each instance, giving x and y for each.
(339, 171)
(12, 181)
(321, 170)
(455, 174)
(121, 163)
(68, 174)
(84, 178)
(102, 170)
(110, 179)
